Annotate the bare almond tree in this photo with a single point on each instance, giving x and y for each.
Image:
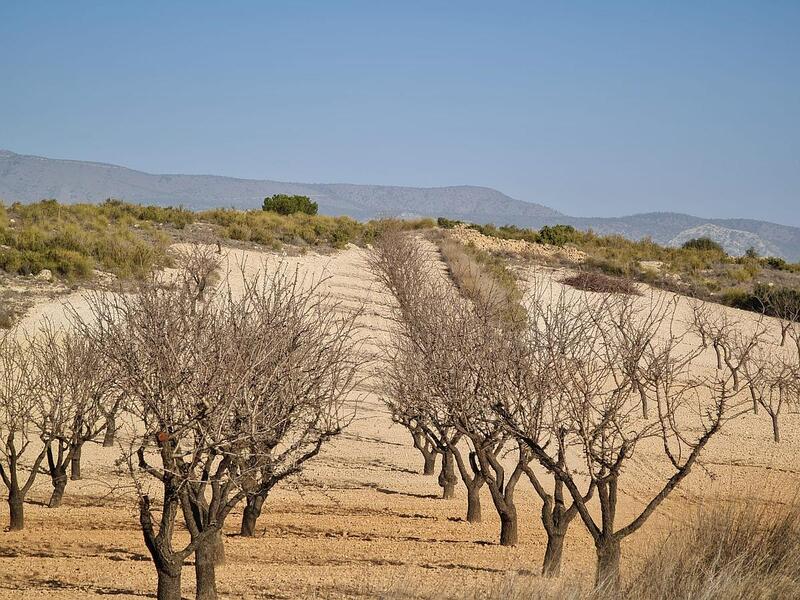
(306, 359)
(73, 385)
(405, 392)
(600, 398)
(161, 344)
(232, 393)
(530, 398)
(773, 382)
(199, 268)
(19, 388)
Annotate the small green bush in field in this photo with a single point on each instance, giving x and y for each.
(289, 205)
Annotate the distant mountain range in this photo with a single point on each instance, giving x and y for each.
(26, 178)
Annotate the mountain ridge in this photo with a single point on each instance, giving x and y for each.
(28, 178)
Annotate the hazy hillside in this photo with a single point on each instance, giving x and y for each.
(30, 178)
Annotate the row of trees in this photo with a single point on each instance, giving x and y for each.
(564, 399)
(217, 395)
(55, 396)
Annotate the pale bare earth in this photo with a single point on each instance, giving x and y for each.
(362, 520)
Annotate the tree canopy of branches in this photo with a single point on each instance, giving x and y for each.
(604, 359)
(231, 392)
(75, 388)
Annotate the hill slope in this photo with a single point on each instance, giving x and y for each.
(29, 178)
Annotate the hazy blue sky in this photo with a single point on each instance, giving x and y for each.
(593, 108)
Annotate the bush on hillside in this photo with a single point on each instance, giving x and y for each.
(284, 204)
(704, 244)
(558, 235)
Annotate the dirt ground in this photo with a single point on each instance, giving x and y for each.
(362, 520)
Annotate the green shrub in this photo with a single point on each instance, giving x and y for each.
(289, 205)
(704, 244)
(558, 235)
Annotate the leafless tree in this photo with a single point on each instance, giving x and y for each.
(73, 386)
(773, 382)
(308, 360)
(530, 398)
(199, 268)
(406, 394)
(233, 392)
(161, 344)
(19, 388)
(712, 328)
(601, 400)
(402, 264)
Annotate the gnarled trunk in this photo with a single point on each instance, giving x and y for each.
(75, 462)
(169, 584)
(447, 476)
(429, 467)
(508, 527)
(252, 511)
(111, 431)
(551, 567)
(16, 509)
(59, 478)
(474, 504)
(608, 558)
(209, 553)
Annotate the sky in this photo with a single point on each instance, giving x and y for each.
(592, 108)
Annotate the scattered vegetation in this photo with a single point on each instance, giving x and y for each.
(700, 268)
(130, 240)
(71, 240)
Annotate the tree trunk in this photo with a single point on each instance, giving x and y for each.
(169, 586)
(551, 567)
(508, 527)
(59, 477)
(16, 509)
(474, 504)
(643, 397)
(430, 463)
(776, 432)
(206, 557)
(111, 431)
(608, 557)
(447, 477)
(252, 511)
(75, 463)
